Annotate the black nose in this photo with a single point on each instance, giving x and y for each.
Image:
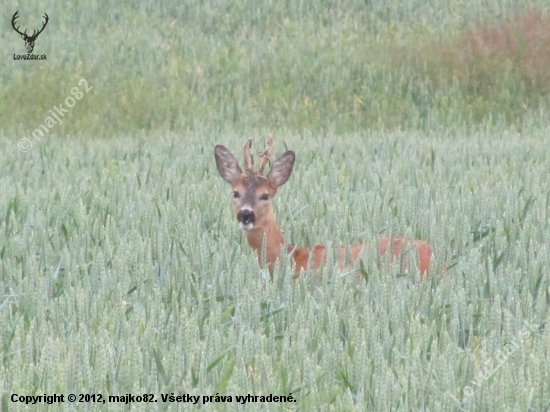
(246, 216)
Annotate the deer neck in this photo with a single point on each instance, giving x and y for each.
(273, 238)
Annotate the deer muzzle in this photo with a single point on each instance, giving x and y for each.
(246, 218)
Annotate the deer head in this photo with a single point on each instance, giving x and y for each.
(29, 40)
(252, 191)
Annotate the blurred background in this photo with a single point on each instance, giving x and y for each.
(341, 66)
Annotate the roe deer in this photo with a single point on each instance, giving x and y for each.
(252, 194)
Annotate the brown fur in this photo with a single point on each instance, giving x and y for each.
(400, 248)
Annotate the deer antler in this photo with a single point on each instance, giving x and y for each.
(15, 16)
(34, 33)
(34, 36)
(248, 162)
(266, 154)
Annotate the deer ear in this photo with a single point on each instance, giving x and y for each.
(227, 164)
(281, 169)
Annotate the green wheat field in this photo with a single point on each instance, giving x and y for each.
(122, 269)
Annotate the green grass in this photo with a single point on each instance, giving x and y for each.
(122, 270)
(341, 66)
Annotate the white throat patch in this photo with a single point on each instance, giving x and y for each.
(248, 226)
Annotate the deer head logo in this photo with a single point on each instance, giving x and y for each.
(29, 40)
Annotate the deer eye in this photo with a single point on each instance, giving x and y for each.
(236, 195)
(265, 196)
